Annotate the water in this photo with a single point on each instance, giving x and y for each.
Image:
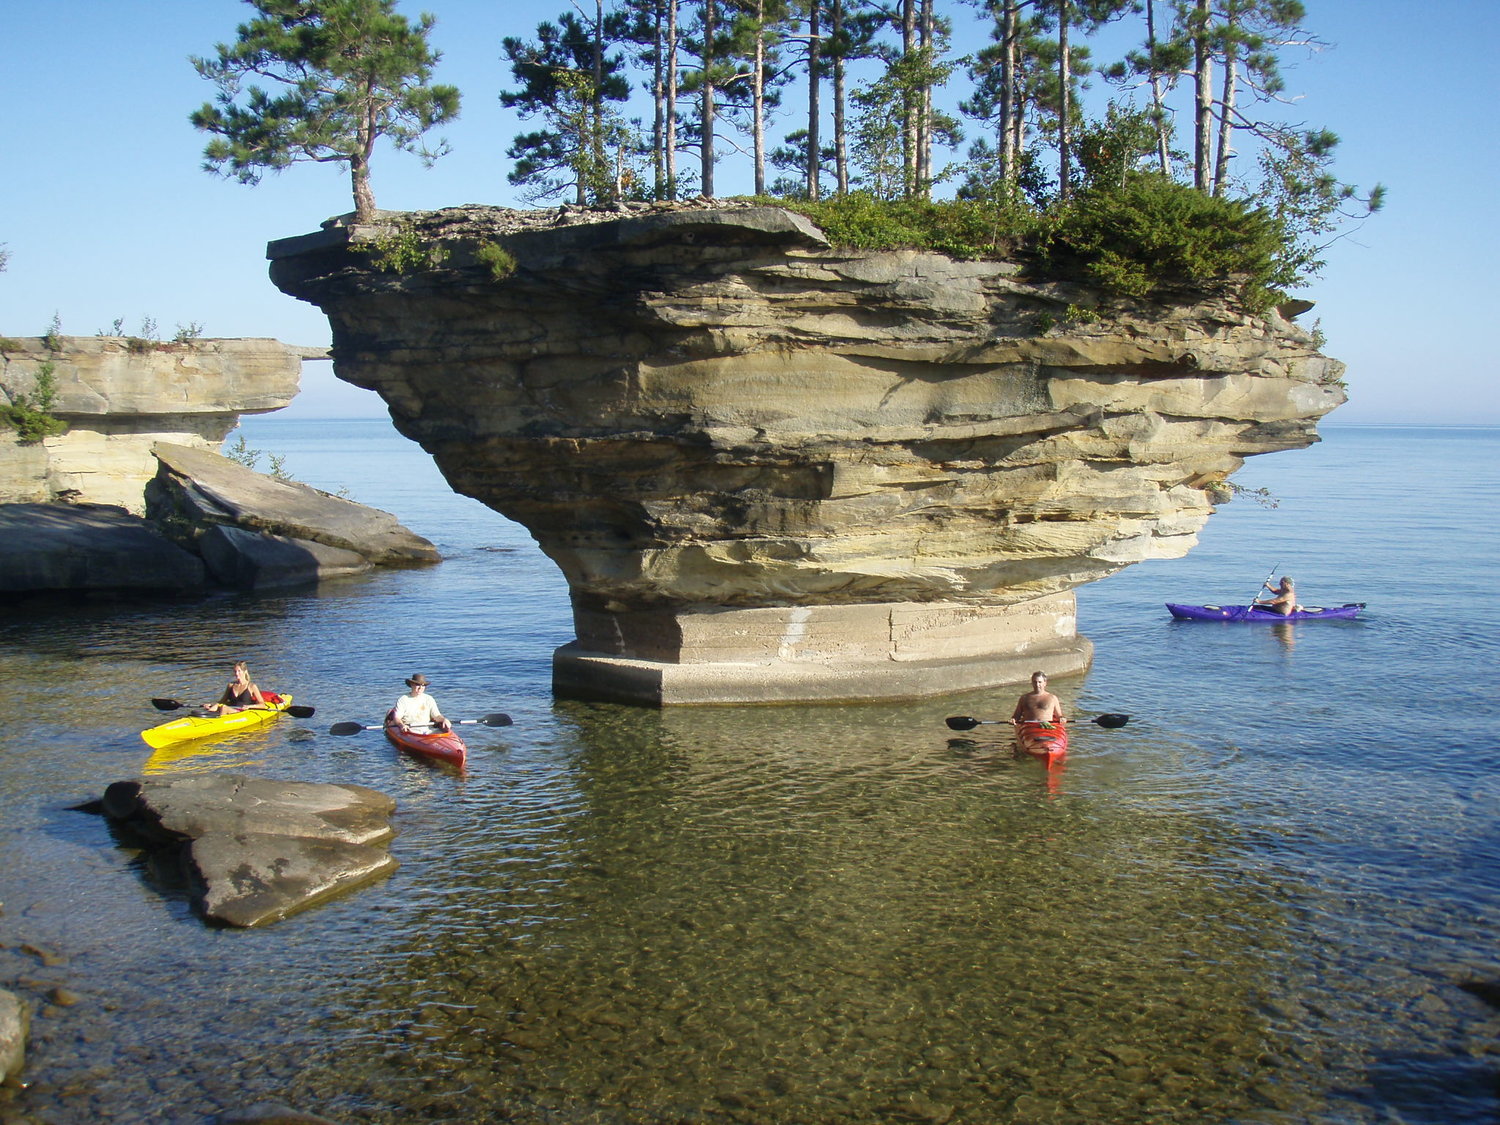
(1254, 903)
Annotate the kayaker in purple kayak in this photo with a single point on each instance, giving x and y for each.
(1285, 600)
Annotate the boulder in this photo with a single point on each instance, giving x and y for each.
(257, 560)
(257, 850)
(15, 1026)
(91, 547)
(195, 490)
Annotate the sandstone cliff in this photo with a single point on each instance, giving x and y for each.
(772, 468)
(121, 397)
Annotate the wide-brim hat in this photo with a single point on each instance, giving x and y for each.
(417, 679)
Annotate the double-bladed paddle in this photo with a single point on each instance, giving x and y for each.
(296, 710)
(496, 719)
(963, 722)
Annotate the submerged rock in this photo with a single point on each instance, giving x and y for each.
(256, 850)
(15, 1026)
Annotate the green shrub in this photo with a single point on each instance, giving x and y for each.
(960, 228)
(1153, 232)
(30, 415)
(501, 261)
(403, 251)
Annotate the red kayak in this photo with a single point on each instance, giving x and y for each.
(444, 746)
(1046, 742)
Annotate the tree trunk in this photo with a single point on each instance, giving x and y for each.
(1064, 102)
(359, 160)
(1203, 107)
(924, 108)
(1226, 114)
(814, 102)
(758, 98)
(659, 103)
(596, 100)
(1158, 100)
(671, 106)
(706, 106)
(1008, 100)
(840, 141)
(908, 103)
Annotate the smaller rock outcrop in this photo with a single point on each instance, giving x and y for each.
(120, 395)
(256, 850)
(89, 547)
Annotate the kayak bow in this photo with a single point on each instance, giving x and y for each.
(444, 746)
(1047, 742)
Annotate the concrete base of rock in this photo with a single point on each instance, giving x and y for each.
(816, 654)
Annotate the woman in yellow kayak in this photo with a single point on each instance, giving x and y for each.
(239, 694)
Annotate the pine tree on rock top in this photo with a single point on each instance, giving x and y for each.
(342, 75)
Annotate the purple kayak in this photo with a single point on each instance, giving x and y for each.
(1259, 613)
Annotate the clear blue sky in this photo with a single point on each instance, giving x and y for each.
(106, 212)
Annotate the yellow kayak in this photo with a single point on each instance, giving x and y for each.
(202, 726)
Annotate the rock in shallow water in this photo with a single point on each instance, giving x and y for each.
(258, 850)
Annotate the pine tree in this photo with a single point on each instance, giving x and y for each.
(569, 77)
(349, 73)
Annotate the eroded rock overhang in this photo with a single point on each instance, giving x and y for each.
(773, 470)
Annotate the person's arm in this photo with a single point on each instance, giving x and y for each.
(259, 700)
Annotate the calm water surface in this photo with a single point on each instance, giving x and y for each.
(1254, 903)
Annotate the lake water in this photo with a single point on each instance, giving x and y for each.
(1255, 903)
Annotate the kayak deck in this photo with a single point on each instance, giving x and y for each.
(1183, 612)
(1047, 742)
(442, 746)
(190, 727)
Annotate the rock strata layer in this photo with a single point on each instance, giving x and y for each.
(773, 469)
(257, 850)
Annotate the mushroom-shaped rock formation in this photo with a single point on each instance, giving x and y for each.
(775, 470)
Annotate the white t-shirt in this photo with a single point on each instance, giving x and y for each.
(417, 710)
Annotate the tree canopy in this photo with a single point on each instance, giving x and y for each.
(345, 73)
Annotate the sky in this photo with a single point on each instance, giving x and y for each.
(106, 213)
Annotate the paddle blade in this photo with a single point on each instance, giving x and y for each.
(1111, 720)
(297, 711)
(497, 719)
(961, 722)
(167, 704)
(346, 728)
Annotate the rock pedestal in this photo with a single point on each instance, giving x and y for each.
(775, 470)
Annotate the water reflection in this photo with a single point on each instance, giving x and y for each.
(804, 914)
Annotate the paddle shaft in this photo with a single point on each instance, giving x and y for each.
(296, 710)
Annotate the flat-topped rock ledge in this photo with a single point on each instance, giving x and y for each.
(774, 469)
(256, 850)
(121, 396)
(210, 522)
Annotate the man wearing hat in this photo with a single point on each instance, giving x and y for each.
(418, 709)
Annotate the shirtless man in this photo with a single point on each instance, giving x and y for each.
(1038, 705)
(1285, 600)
